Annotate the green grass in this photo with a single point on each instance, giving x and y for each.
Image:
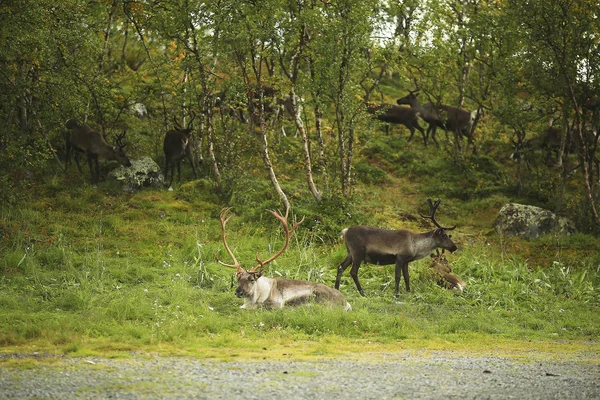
(87, 270)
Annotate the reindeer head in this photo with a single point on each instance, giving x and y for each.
(442, 239)
(443, 271)
(410, 99)
(119, 153)
(247, 278)
(246, 283)
(440, 263)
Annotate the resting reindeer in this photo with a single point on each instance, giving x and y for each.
(258, 290)
(84, 139)
(384, 247)
(442, 272)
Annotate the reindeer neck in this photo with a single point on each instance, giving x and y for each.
(424, 244)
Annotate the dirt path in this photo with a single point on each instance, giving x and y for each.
(411, 375)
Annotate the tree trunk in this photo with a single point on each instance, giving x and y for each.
(305, 146)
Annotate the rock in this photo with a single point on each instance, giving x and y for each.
(531, 222)
(142, 173)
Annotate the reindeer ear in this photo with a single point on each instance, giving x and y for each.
(258, 274)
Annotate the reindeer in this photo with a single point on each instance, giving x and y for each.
(443, 272)
(258, 290)
(177, 145)
(447, 117)
(84, 139)
(393, 114)
(384, 247)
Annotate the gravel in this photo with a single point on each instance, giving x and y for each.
(411, 375)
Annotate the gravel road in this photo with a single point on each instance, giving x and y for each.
(409, 375)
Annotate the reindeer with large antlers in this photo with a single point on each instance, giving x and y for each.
(258, 290)
(384, 247)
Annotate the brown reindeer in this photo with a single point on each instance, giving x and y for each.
(84, 139)
(178, 144)
(393, 114)
(443, 272)
(446, 117)
(384, 247)
(258, 290)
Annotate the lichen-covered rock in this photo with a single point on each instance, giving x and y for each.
(142, 173)
(531, 222)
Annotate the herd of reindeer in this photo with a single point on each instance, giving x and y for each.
(178, 143)
(363, 243)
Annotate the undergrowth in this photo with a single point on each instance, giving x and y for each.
(92, 268)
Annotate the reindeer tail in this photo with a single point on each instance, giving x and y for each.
(343, 235)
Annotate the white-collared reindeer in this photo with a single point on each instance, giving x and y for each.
(258, 290)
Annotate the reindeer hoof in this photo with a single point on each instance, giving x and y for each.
(170, 189)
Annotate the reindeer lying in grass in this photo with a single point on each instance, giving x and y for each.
(442, 273)
(258, 290)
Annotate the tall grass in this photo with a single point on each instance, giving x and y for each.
(141, 273)
(93, 269)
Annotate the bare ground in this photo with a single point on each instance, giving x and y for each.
(402, 375)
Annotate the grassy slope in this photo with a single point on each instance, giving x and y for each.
(93, 270)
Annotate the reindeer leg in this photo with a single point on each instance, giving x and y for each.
(96, 164)
(354, 273)
(433, 131)
(77, 155)
(90, 163)
(417, 126)
(68, 155)
(341, 268)
(401, 269)
(191, 160)
(412, 133)
(166, 169)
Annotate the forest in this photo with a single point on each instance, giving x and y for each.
(306, 105)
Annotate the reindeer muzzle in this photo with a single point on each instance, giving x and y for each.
(453, 249)
(239, 293)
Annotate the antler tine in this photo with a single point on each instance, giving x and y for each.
(192, 117)
(433, 206)
(119, 139)
(288, 233)
(224, 218)
(176, 124)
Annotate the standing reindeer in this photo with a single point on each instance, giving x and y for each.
(84, 139)
(384, 247)
(178, 144)
(446, 117)
(258, 290)
(393, 114)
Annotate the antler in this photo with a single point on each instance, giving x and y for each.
(192, 118)
(119, 139)
(176, 123)
(433, 208)
(224, 218)
(288, 233)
